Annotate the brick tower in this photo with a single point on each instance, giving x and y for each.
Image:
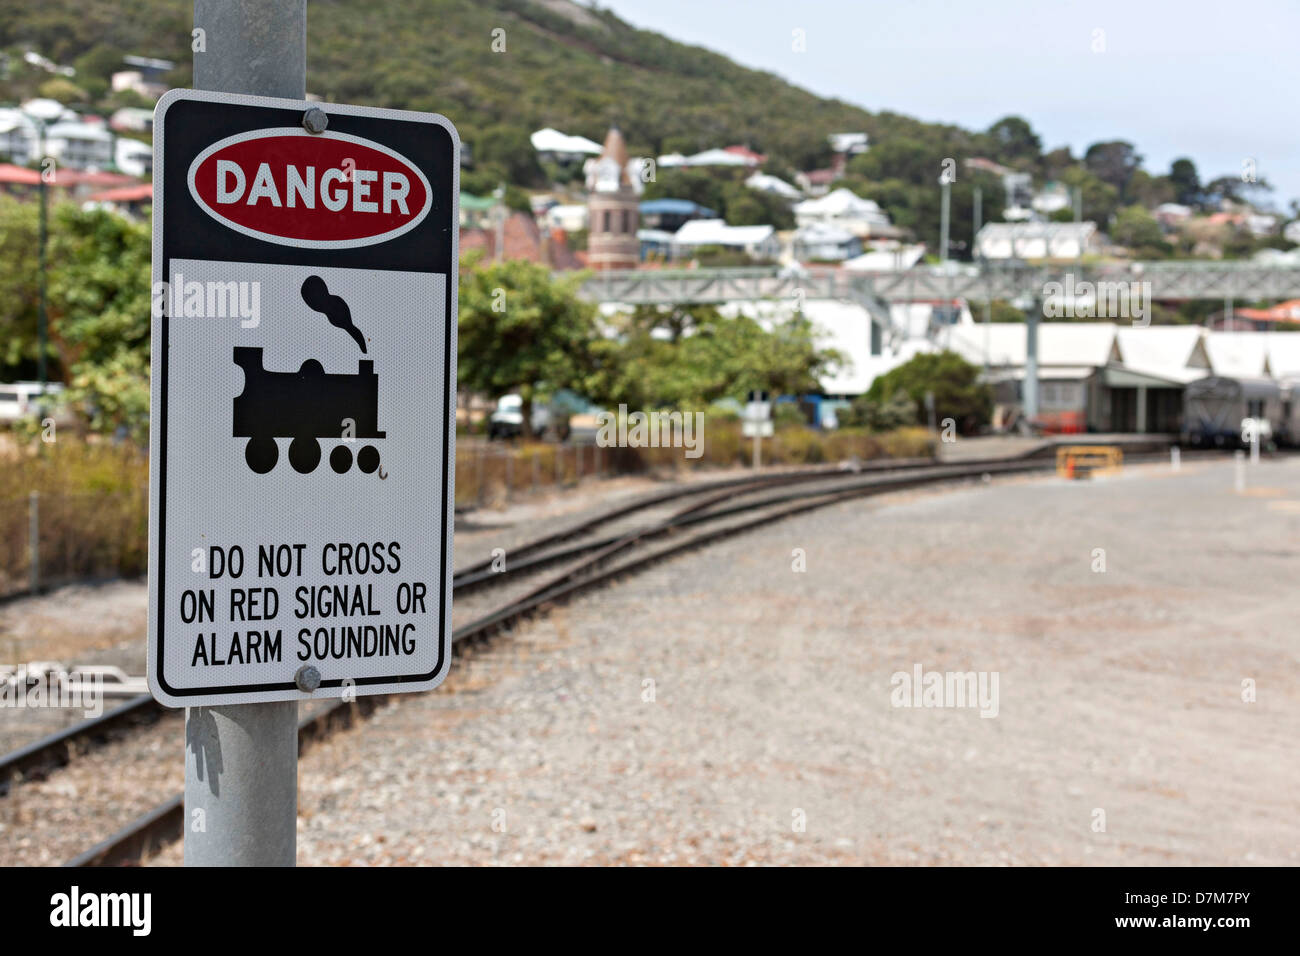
(613, 205)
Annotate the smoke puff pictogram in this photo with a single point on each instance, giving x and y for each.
(308, 404)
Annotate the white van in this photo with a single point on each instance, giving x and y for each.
(22, 399)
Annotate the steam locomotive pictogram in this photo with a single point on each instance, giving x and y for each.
(308, 404)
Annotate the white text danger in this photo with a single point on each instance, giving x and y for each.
(366, 190)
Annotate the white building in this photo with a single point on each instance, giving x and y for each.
(764, 183)
(891, 256)
(760, 242)
(80, 145)
(709, 157)
(557, 147)
(849, 144)
(1292, 232)
(1052, 198)
(133, 157)
(844, 209)
(824, 241)
(1037, 240)
(570, 218)
(132, 119)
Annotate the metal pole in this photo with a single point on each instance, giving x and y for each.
(943, 222)
(1239, 468)
(42, 313)
(241, 760)
(1031, 361)
(34, 542)
(1175, 457)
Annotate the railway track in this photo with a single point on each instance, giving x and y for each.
(57, 749)
(690, 518)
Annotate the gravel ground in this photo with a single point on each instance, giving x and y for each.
(770, 736)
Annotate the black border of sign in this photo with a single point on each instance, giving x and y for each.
(288, 691)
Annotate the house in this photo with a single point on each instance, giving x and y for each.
(1171, 215)
(825, 242)
(731, 156)
(655, 243)
(848, 144)
(571, 217)
(759, 242)
(764, 183)
(672, 214)
(1052, 198)
(131, 119)
(887, 256)
(846, 210)
(817, 182)
(144, 77)
(80, 144)
(562, 149)
(1256, 320)
(130, 201)
(1037, 240)
(133, 157)
(1291, 232)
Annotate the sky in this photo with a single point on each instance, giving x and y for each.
(1215, 82)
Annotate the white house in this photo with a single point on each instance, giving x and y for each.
(80, 145)
(133, 157)
(820, 240)
(1051, 198)
(570, 218)
(760, 242)
(709, 157)
(844, 209)
(891, 256)
(132, 119)
(774, 185)
(554, 146)
(1037, 240)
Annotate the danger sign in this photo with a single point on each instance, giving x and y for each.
(303, 399)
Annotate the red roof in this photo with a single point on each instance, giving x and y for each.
(142, 192)
(18, 175)
(1282, 312)
(756, 158)
(75, 177)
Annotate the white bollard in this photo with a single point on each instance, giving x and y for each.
(1175, 457)
(1239, 464)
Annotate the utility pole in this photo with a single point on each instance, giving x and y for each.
(943, 221)
(988, 286)
(241, 760)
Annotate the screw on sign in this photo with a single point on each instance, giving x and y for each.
(343, 220)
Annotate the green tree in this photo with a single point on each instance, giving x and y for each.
(99, 308)
(1014, 139)
(1137, 229)
(1113, 162)
(958, 394)
(522, 331)
(1187, 182)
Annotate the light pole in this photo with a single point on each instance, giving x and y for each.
(42, 318)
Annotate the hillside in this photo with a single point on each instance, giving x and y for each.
(565, 65)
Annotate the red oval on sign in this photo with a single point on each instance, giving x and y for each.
(325, 191)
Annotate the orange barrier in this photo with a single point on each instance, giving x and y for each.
(1083, 461)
